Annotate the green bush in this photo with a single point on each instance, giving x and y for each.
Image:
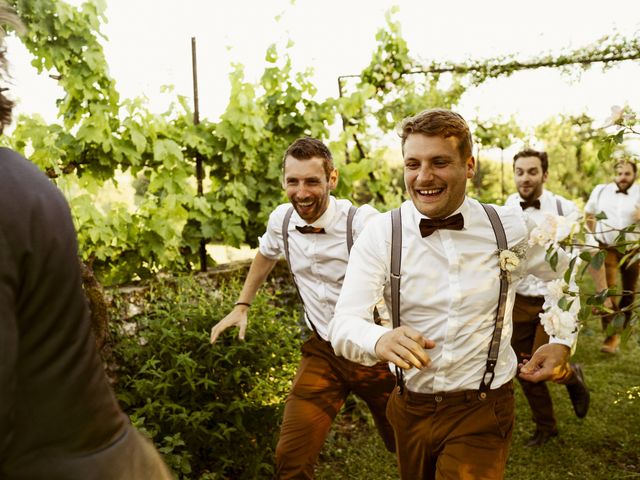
(213, 411)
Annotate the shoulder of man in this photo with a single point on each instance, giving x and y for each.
(568, 206)
(363, 214)
(516, 223)
(513, 199)
(276, 217)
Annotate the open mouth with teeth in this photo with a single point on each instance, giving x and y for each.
(305, 207)
(430, 193)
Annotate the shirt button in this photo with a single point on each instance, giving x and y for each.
(438, 398)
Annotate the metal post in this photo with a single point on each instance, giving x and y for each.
(199, 167)
(344, 124)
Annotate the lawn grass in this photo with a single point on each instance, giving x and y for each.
(603, 446)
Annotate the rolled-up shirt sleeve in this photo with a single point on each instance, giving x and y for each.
(352, 332)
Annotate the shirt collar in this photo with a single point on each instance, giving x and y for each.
(463, 209)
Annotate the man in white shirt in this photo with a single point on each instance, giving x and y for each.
(530, 171)
(453, 409)
(620, 202)
(316, 249)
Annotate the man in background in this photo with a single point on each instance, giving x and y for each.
(530, 170)
(619, 201)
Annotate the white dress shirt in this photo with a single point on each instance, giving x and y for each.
(531, 286)
(449, 292)
(318, 261)
(619, 208)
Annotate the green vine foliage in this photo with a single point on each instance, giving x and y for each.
(103, 141)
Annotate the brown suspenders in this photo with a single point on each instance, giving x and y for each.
(396, 254)
(559, 207)
(285, 240)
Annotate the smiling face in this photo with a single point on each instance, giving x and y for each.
(307, 187)
(625, 176)
(529, 178)
(435, 174)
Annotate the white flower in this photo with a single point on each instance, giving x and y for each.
(564, 228)
(556, 289)
(558, 323)
(538, 237)
(552, 230)
(509, 261)
(615, 118)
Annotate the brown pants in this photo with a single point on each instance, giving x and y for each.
(320, 388)
(528, 335)
(452, 436)
(629, 276)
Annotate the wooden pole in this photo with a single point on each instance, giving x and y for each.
(199, 167)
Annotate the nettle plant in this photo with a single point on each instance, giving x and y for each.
(213, 411)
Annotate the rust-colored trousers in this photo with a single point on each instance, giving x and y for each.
(452, 436)
(320, 388)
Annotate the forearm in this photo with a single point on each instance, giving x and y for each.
(258, 272)
(355, 338)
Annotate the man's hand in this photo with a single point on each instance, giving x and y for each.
(549, 362)
(236, 318)
(404, 347)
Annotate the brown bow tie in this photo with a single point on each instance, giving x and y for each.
(622, 191)
(427, 226)
(534, 203)
(309, 229)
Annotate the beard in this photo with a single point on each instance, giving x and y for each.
(534, 193)
(623, 186)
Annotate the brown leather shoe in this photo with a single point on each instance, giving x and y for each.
(578, 392)
(611, 344)
(540, 437)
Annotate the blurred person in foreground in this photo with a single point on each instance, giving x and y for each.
(59, 419)
(530, 172)
(445, 264)
(619, 201)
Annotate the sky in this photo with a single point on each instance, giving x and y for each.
(149, 45)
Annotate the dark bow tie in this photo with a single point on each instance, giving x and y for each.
(625, 192)
(533, 203)
(309, 229)
(428, 226)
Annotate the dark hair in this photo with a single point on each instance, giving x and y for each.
(530, 152)
(306, 148)
(9, 18)
(439, 122)
(626, 161)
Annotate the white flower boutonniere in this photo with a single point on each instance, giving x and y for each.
(510, 259)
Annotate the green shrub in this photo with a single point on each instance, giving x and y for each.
(213, 411)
